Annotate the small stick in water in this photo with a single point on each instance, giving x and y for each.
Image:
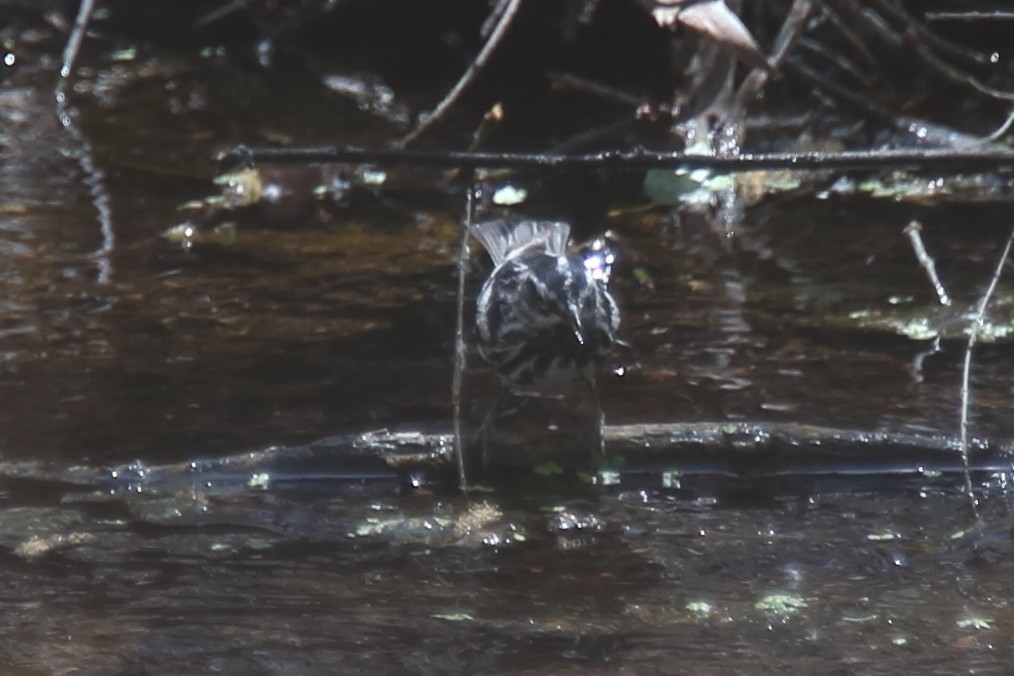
(978, 320)
(459, 343)
(914, 232)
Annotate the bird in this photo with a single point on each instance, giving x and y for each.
(545, 318)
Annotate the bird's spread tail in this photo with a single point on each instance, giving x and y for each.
(503, 239)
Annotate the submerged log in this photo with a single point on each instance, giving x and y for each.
(733, 449)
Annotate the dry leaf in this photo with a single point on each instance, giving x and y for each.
(715, 20)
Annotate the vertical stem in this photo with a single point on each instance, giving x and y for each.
(973, 335)
(94, 176)
(459, 344)
(77, 32)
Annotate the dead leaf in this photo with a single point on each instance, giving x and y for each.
(713, 19)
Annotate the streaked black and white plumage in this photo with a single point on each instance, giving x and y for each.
(544, 316)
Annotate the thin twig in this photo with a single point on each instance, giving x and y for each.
(1004, 128)
(977, 322)
(914, 233)
(959, 76)
(449, 100)
(459, 343)
(792, 28)
(926, 44)
(838, 59)
(931, 38)
(489, 25)
(94, 177)
(928, 159)
(586, 138)
(221, 12)
(838, 92)
(572, 82)
(931, 134)
(847, 32)
(969, 16)
(77, 32)
(877, 24)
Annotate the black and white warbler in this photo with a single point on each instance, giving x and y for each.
(544, 316)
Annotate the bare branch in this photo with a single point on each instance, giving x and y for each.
(569, 81)
(930, 134)
(977, 322)
(916, 159)
(506, 17)
(914, 233)
(959, 76)
(915, 27)
(970, 16)
(1004, 128)
(221, 12)
(77, 33)
(847, 32)
(791, 29)
(94, 177)
(459, 344)
(838, 59)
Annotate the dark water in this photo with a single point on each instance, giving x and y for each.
(853, 581)
(118, 345)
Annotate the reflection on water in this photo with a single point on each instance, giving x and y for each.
(693, 580)
(287, 333)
